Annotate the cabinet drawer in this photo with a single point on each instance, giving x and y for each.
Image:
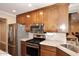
(50, 48)
(47, 53)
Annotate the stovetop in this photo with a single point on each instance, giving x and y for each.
(36, 40)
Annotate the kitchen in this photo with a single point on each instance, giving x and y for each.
(47, 30)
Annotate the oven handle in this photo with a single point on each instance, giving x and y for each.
(32, 46)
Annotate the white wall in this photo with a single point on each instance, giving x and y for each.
(60, 37)
(10, 17)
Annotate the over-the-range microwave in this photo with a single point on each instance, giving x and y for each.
(37, 28)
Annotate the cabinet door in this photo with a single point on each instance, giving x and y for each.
(34, 17)
(40, 14)
(23, 48)
(28, 21)
(63, 17)
(50, 19)
(12, 50)
(21, 19)
(47, 53)
(48, 50)
(18, 19)
(61, 53)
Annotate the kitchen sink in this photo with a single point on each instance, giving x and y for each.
(71, 47)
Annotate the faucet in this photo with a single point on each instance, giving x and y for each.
(71, 39)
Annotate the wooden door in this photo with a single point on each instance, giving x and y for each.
(3, 38)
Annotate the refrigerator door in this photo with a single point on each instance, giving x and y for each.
(21, 34)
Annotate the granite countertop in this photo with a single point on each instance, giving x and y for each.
(58, 45)
(25, 39)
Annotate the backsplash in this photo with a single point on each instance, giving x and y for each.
(61, 37)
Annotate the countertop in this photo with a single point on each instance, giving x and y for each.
(24, 39)
(58, 45)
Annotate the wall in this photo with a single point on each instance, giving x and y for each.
(10, 17)
(60, 37)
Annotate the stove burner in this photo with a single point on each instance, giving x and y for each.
(35, 40)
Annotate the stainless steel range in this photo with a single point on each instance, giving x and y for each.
(33, 46)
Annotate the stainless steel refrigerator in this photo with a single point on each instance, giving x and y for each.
(16, 33)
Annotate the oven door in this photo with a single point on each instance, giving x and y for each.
(32, 50)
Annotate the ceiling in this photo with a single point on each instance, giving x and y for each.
(23, 7)
(74, 7)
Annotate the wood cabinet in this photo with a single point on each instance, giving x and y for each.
(40, 16)
(12, 50)
(51, 16)
(51, 51)
(48, 50)
(12, 45)
(50, 19)
(28, 21)
(3, 35)
(21, 19)
(61, 53)
(23, 48)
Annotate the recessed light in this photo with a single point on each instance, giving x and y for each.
(27, 16)
(29, 5)
(41, 13)
(13, 10)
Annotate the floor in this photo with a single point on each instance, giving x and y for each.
(2, 53)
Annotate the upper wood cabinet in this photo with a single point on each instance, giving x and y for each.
(50, 19)
(63, 17)
(40, 16)
(53, 17)
(34, 16)
(28, 21)
(20, 19)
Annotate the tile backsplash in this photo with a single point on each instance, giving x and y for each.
(61, 37)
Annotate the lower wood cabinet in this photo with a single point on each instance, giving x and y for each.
(47, 50)
(23, 48)
(3, 46)
(61, 53)
(44, 50)
(51, 51)
(12, 50)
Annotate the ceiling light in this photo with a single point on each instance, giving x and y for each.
(29, 5)
(41, 13)
(27, 16)
(13, 10)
